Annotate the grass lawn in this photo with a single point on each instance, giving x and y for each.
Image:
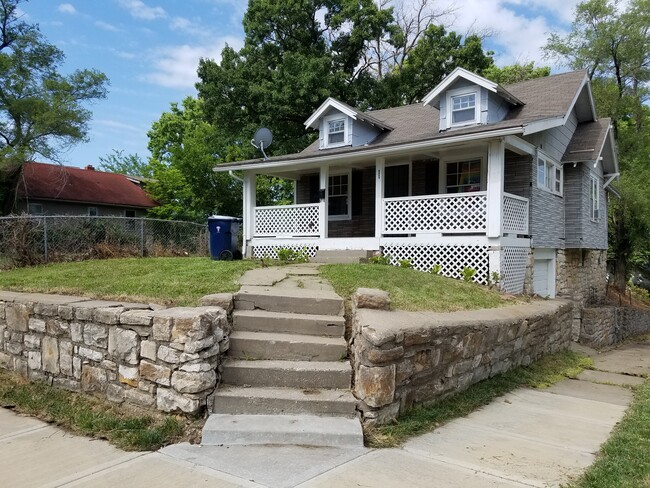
(624, 460)
(168, 281)
(541, 374)
(413, 290)
(129, 429)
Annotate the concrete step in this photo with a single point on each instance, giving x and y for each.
(292, 300)
(292, 347)
(288, 374)
(237, 400)
(347, 256)
(307, 430)
(290, 323)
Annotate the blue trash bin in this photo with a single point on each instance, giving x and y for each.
(223, 237)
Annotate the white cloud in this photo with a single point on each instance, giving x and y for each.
(181, 23)
(140, 10)
(175, 67)
(67, 8)
(123, 55)
(106, 26)
(117, 126)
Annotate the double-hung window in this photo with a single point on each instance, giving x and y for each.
(335, 132)
(549, 174)
(464, 176)
(594, 198)
(463, 107)
(338, 197)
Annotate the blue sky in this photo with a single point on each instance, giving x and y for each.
(150, 49)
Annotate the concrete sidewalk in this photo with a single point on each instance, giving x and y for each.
(528, 438)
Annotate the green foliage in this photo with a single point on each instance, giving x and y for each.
(436, 269)
(467, 274)
(515, 73)
(494, 279)
(383, 259)
(404, 263)
(42, 112)
(125, 164)
(287, 254)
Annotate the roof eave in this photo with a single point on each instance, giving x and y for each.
(330, 102)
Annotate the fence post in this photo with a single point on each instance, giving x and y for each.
(45, 240)
(141, 237)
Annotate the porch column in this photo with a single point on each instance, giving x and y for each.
(495, 182)
(380, 166)
(324, 186)
(249, 197)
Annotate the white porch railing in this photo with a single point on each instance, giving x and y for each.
(287, 221)
(515, 214)
(457, 213)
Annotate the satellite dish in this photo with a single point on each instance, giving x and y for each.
(262, 140)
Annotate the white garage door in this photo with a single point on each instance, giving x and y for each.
(541, 278)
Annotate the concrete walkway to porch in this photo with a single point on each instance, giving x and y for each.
(527, 438)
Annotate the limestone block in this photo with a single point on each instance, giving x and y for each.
(224, 345)
(6, 361)
(188, 324)
(17, 316)
(162, 328)
(65, 312)
(2, 310)
(32, 341)
(123, 345)
(371, 298)
(76, 367)
(76, 332)
(383, 416)
(109, 365)
(50, 350)
(36, 325)
(139, 397)
(83, 313)
(171, 401)
(15, 348)
(376, 385)
(34, 360)
(196, 346)
(128, 375)
(155, 373)
(20, 367)
(108, 315)
(137, 317)
(188, 382)
(57, 327)
(222, 300)
(95, 335)
(197, 367)
(47, 309)
(168, 355)
(65, 357)
(148, 386)
(66, 384)
(93, 379)
(148, 350)
(115, 393)
(91, 354)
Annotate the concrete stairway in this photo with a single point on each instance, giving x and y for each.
(285, 379)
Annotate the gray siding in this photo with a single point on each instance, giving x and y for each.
(362, 133)
(582, 232)
(573, 204)
(497, 107)
(71, 208)
(555, 141)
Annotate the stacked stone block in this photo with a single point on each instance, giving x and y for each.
(167, 359)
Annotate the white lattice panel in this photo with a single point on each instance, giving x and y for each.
(513, 269)
(448, 213)
(268, 251)
(287, 220)
(515, 214)
(452, 258)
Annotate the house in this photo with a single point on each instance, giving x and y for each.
(52, 189)
(508, 180)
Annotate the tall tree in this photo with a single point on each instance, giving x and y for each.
(42, 112)
(612, 42)
(515, 73)
(127, 164)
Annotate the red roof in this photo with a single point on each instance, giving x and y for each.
(87, 185)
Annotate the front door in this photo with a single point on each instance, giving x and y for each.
(397, 181)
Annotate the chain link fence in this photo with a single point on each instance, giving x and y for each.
(27, 240)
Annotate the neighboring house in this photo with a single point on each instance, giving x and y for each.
(510, 181)
(52, 189)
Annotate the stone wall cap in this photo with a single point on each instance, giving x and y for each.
(44, 298)
(185, 312)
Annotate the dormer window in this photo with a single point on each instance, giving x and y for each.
(336, 131)
(462, 105)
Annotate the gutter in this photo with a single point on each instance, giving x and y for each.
(378, 152)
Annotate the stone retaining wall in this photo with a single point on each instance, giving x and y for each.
(607, 325)
(404, 358)
(167, 359)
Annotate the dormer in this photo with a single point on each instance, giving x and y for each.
(341, 125)
(465, 99)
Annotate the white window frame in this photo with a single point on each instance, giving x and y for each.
(32, 206)
(96, 212)
(346, 130)
(469, 157)
(347, 216)
(459, 92)
(547, 180)
(594, 197)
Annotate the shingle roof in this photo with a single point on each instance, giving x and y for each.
(55, 182)
(587, 141)
(545, 98)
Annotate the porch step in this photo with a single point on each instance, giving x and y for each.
(287, 374)
(293, 347)
(310, 430)
(348, 256)
(238, 400)
(288, 323)
(292, 300)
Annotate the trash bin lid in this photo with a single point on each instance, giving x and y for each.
(223, 217)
